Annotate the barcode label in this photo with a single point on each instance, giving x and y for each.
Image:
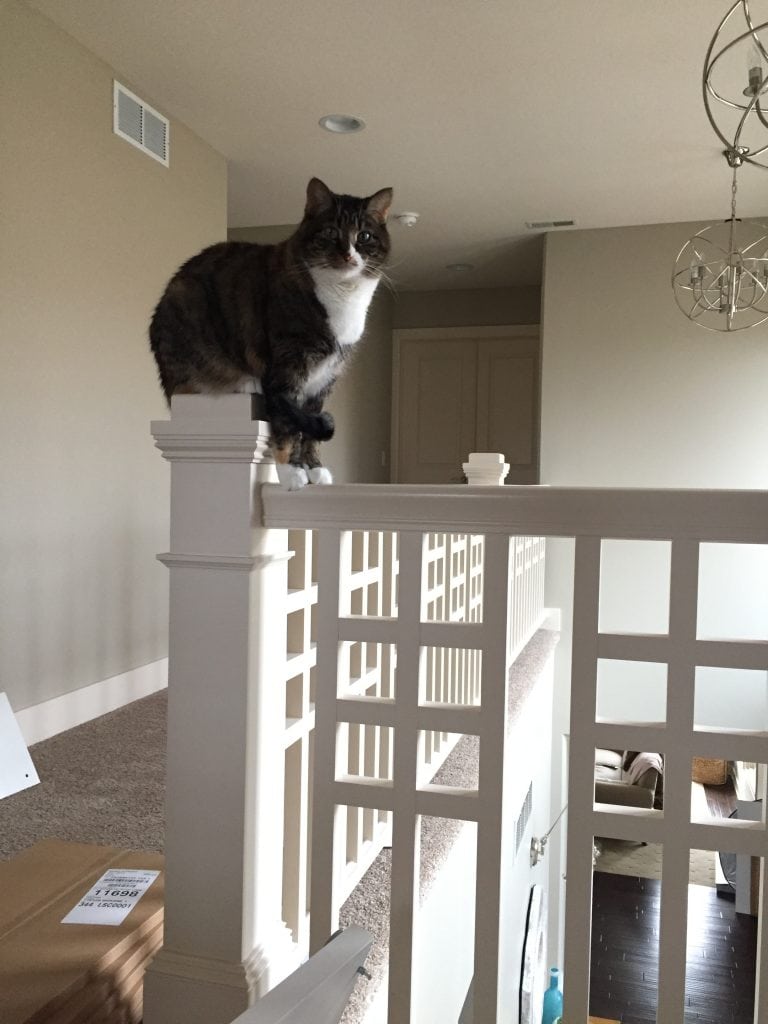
(112, 898)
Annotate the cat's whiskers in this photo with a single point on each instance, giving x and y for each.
(387, 281)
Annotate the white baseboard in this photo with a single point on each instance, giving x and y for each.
(44, 720)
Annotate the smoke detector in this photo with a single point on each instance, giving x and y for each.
(407, 219)
(341, 124)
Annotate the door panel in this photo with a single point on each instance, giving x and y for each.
(508, 404)
(437, 410)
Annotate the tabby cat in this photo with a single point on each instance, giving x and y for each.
(288, 315)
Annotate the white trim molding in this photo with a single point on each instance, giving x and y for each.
(41, 721)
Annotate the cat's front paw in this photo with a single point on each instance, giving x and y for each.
(320, 427)
(292, 478)
(320, 475)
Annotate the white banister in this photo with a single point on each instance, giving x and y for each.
(317, 993)
(224, 940)
(392, 635)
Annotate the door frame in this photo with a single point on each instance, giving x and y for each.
(401, 334)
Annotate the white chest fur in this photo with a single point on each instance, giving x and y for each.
(345, 300)
(321, 375)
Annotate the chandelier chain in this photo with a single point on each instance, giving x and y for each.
(733, 194)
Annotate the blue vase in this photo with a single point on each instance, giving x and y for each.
(553, 999)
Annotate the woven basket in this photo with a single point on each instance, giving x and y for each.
(710, 771)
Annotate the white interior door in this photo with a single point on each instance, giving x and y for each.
(437, 391)
(456, 394)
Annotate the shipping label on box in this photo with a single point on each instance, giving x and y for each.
(111, 899)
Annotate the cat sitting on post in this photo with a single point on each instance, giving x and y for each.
(287, 315)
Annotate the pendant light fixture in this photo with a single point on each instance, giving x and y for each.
(720, 277)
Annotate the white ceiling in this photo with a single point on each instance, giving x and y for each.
(481, 114)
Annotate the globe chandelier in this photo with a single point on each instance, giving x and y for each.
(720, 277)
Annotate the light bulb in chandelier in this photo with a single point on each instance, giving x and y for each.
(735, 84)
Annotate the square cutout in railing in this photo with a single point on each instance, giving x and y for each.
(448, 759)
(731, 698)
(294, 697)
(451, 675)
(631, 691)
(722, 937)
(452, 577)
(368, 568)
(364, 751)
(634, 586)
(629, 779)
(733, 592)
(300, 571)
(367, 670)
(725, 789)
(444, 919)
(624, 941)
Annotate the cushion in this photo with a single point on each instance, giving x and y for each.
(606, 774)
(608, 758)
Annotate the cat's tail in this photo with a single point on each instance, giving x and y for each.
(287, 419)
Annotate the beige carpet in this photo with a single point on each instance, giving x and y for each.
(617, 857)
(622, 858)
(102, 782)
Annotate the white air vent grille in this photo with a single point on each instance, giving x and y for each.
(523, 818)
(141, 125)
(545, 225)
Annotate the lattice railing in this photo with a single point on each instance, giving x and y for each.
(365, 582)
(452, 592)
(685, 520)
(681, 649)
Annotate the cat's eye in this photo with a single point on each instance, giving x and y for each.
(364, 236)
(329, 232)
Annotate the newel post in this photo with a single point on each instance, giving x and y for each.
(224, 940)
(485, 469)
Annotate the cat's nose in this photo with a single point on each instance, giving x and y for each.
(348, 257)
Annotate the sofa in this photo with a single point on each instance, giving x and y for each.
(620, 778)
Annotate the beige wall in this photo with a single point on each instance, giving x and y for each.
(635, 394)
(269, 235)
(467, 307)
(91, 230)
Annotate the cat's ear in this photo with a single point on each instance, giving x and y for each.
(319, 198)
(378, 205)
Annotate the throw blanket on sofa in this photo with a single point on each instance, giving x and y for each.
(643, 763)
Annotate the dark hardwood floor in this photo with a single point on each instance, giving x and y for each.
(720, 976)
(721, 800)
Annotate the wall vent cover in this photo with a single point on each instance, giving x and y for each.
(141, 125)
(523, 818)
(546, 225)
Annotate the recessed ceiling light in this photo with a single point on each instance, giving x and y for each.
(459, 268)
(341, 123)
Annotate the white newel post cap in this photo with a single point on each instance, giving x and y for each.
(486, 469)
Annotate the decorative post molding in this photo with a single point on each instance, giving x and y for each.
(224, 941)
(486, 469)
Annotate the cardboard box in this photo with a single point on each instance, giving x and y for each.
(72, 973)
